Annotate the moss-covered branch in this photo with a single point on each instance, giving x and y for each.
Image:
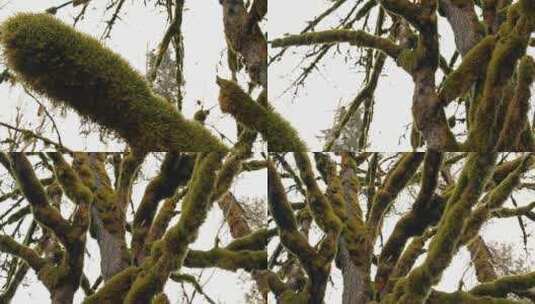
(472, 67)
(227, 259)
(461, 297)
(168, 254)
(30, 256)
(76, 70)
(505, 285)
(513, 39)
(276, 131)
(282, 213)
(426, 210)
(321, 208)
(396, 180)
(416, 286)
(493, 200)
(516, 117)
(115, 289)
(358, 38)
(34, 192)
(315, 262)
(175, 171)
(75, 189)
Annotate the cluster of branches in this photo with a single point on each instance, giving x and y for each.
(98, 188)
(492, 80)
(76, 71)
(345, 197)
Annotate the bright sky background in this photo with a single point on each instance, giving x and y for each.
(222, 286)
(140, 29)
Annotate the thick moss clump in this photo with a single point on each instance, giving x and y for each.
(75, 69)
(275, 130)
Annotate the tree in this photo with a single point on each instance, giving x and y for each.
(338, 215)
(143, 244)
(76, 71)
(491, 82)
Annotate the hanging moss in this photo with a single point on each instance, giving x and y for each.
(75, 69)
(276, 131)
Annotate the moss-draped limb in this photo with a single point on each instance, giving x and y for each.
(76, 70)
(505, 285)
(461, 297)
(75, 189)
(30, 256)
(164, 217)
(493, 200)
(415, 288)
(527, 210)
(175, 170)
(232, 166)
(276, 131)
(34, 192)
(395, 181)
(412, 12)
(115, 289)
(282, 213)
(160, 298)
(168, 254)
(127, 171)
(314, 262)
(322, 210)
(426, 210)
(471, 69)
(516, 119)
(256, 240)
(513, 39)
(227, 259)
(407, 260)
(359, 38)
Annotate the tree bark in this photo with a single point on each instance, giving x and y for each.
(62, 294)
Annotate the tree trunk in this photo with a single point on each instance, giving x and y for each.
(356, 289)
(62, 294)
(113, 251)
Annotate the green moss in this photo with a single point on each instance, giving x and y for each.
(161, 298)
(169, 253)
(513, 39)
(276, 131)
(472, 67)
(76, 70)
(230, 260)
(516, 120)
(115, 289)
(415, 288)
